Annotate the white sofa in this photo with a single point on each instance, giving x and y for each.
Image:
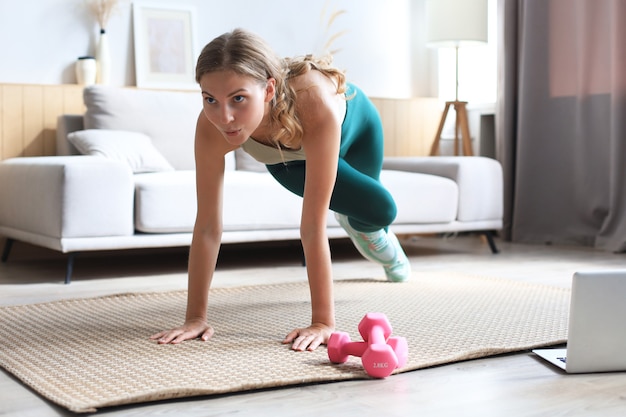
(134, 185)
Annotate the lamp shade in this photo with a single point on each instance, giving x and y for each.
(456, 23)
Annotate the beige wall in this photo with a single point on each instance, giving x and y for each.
(28, 116)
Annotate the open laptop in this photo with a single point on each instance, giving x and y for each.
(596, 339)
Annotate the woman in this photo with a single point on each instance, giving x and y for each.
(319, 137)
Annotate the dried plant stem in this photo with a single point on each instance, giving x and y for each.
(329, 18)
(103, 9)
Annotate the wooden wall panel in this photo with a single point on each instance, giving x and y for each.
(28, 118)
(424, 121)
(12, 121)
(53, 99)
(33, 117)
(409, 125)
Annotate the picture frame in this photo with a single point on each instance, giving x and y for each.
(165, 45)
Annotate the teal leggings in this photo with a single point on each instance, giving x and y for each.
(358, 192)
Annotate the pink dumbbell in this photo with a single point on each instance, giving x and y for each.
(379, 353)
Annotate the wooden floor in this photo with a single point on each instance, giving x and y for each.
(510, 385)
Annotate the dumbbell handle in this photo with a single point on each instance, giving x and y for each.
(377, 336)
(354, 348)
(398, 344)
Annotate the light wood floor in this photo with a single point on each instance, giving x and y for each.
(510, 385)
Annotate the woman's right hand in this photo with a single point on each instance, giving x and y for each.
(192, 329)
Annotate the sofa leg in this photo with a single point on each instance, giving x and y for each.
(492, 244)
(70, 259)
(70, 267)
(7, 249)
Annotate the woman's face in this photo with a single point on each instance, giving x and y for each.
(235, 104)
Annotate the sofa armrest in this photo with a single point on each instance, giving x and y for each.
(479, 180)
(67, 196)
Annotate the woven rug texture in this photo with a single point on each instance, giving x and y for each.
(84, 354)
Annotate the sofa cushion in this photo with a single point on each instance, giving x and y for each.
(165, 202)
(168, 118)
(256, 201)
(422, 198)
(133, 148)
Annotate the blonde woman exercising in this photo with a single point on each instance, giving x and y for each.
(320, 137)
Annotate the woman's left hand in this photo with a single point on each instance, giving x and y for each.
(309, 338)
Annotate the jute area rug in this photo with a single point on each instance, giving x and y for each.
(84, 354)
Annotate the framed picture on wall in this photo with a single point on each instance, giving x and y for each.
(165, 45)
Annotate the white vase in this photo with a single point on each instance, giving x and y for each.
(86, 70)
(103, 58)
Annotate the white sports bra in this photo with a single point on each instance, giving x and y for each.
(270, 155)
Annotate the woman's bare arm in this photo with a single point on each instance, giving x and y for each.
(210, 149)
(318, 106)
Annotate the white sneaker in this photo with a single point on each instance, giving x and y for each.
(400, 270)
(380, 247)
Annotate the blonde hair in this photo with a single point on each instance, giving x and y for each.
(247, 54)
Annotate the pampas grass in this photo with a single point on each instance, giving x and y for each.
(102, 10)
(327, 19)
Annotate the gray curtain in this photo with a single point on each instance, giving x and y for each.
(561, 121)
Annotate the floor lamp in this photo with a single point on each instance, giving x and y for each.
(456, 24)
